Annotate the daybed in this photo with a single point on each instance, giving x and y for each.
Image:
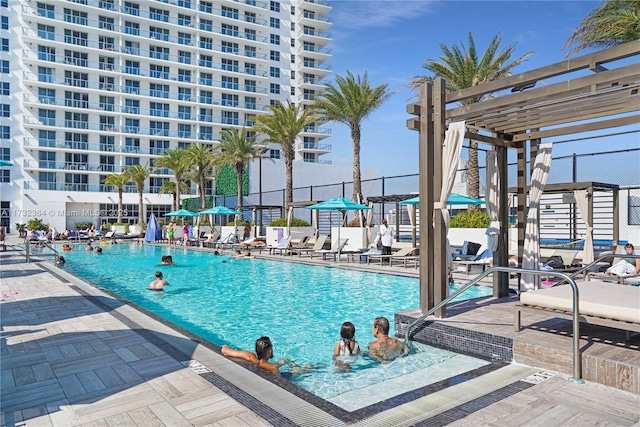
(603, 304)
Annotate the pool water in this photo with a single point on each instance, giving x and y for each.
(300, 307)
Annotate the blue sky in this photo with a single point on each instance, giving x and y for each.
(391, 39)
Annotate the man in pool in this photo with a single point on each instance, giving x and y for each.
(385, 348)
(158, 283)
(167, 260)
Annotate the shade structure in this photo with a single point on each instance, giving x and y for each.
(454, 199)
(154, 231)
(220, 210)
(183, 213)
(339, 204)
(5, 163)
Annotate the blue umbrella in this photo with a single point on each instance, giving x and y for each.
(220, 210)
(454, 199)
(154, 231)
(339, 204)
(5, 163)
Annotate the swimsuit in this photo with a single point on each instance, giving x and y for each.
(344, 351)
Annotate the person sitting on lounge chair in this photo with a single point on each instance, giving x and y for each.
(626, 265)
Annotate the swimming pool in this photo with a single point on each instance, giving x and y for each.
(300, 307)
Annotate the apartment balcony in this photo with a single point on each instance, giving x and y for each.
(96, 188)
(315, 130)
(313, 147)
(320, 54)
(319, 21)
(319, 6)
(312, 67)
(70, 166)
(315, 35)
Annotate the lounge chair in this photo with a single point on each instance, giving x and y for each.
(212, 240)
(318, 245)
(403, 252)
(337, 247)
(482, 260)
(599, 304)
(568, 260)
(282, 244)
(469, 250)
(302, 244)
(622, 279)
(412, 257)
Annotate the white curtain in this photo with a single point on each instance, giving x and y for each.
(582, 201)
(531, 256)
(493, 184)
(450, 160)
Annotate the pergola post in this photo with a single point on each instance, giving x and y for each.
(501, 280)
(425, 166)
(440, 273)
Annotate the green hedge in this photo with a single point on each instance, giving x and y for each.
(227, 181)
(194, 204)
(470, 219)
(295, 222)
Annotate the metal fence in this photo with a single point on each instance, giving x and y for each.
(620, 167)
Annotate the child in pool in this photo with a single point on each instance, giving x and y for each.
(347, 346)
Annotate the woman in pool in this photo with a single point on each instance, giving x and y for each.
(347, 346)
(264, 352)
(167, 260)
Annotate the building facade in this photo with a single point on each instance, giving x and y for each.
(92, 86)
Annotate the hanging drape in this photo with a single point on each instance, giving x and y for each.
(531, 256)
(450, 160)
(582, 200)
(493, 184)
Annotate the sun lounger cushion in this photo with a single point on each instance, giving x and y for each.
(596, 299)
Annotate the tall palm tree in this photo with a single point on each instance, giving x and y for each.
(350, 101)
(613, 23)
(170, 187)
(237, 149)
(282, 127)
(202, 159)
(177, 161)
(461, 68)
(138, 174)
(118, 180)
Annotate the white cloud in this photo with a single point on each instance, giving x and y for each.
(371, 14)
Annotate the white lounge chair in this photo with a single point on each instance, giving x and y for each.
(318, 245)
(402, 252)
(336, 248)
(282, 244)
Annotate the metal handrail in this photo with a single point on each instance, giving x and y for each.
(27, 244)
(577, 357)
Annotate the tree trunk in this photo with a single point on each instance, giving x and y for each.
(203, 200)
(473, 173)
(140, 205)
(239, 172)
(175, 203)
(288, 163)
(357, 186)
(120, 205)
(177, 195)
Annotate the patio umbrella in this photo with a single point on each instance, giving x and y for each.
(339, 204)
(220, 210)
(154, 231)
(183, 213)
(454, 199)
(5, 163)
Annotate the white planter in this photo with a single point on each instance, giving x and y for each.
(275, 234)
(135, 229)
(118, 229)
(357, 237)
(225, 230)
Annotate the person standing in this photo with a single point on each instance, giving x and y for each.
(170, 235)
(385, 236)
(3, 236)
(185, 235)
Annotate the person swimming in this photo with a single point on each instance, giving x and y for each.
(158, 283)
(167, 260)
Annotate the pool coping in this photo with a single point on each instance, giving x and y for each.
(91, 291)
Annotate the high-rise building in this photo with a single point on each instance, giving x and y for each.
(92, 86)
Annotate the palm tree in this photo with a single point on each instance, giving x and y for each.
(176, 160)
(461, 68)
(170, 187)
(282, 127)
(613, 23)
(237, 149)
(350, 102)
(202, 159)
(118, 180)
(138, 174)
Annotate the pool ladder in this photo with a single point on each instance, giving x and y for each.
(577, 356)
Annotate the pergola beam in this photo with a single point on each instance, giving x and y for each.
(585, 127)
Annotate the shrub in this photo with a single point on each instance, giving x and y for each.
(83, 225)
(37, 224)
(470, 219)
(295, 222)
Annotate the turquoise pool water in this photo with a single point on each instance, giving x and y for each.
(234, 302)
